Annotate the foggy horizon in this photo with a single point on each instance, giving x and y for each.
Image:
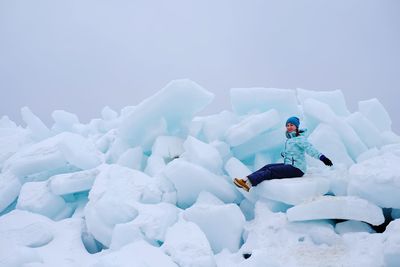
(81, 56)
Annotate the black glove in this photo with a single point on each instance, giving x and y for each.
(325, 160)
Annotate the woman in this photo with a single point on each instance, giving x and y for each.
(294, 163)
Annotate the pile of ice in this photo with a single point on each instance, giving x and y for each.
(151, 185)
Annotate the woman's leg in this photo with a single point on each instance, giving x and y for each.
(285, 171)
(262, 174)
(266, 167)
(274, 171)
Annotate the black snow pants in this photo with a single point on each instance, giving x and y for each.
(274, 171)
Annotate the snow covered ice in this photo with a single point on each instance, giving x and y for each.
(151, 184)
(337, 207)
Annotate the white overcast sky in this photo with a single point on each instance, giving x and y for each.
(81, 55)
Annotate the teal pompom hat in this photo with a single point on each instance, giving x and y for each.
(293, 120)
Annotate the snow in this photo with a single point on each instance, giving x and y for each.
(37, 197)
(10, 187)
(389, 137)
(377, 179)
(271, 235)
(258, 100)
(235, 168)
(39, 130)
(152, 221)
(151, 184)
(137, 254)
(212, 127)
(375, 112)
(114, 196)
(338, 207)
(190, 180)
(202, 154)
(392, 244)
(251, 126)
(155, 165)
(293, 191)
(223, 149)
(108, 114)
(64, 121)
(33, 238)
(323, 113)
(268, 141)
(369, 134)
(132, 158)
(168, 111)
(27, 229)
(14, 255)
(352, 227)
(334, 99)
(168, 147)
(188, 246)
(12, 138)
(56, 153)
(6, 123)
(68, 183)
(335, 147)
(212, 215)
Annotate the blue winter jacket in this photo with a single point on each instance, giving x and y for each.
(295, 147)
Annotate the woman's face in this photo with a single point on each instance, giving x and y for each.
(290, 127)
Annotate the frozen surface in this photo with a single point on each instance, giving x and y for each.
(64, 121)
(293, 191)
(251, 126)
(188, 246)
(10, 187)
(335, 99)
(37, 197)
(39, 130)
(257, 100)
(55, 153)
(272, 239)
(190, 179)
(328, 207)
(352, 226)
(392, 244)
(212, 215)
(215, 126)
(152, 222)
(32, 238)
(69, 183)
(151, 184)
(115, 197)
(12, 138)
(369, 134)
(374, 111)
(235, 168)
(335, 147)
(168, 111)
(137, 254)
(132, 158)
(321, 112)
(202, 154)
(168, 147)
(377, 179)
(27, 229)
(269, 141)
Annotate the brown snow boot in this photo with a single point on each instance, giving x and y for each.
(241, 183)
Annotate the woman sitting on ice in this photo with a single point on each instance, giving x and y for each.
(294, 163)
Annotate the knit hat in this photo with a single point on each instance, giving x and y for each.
(293, 120)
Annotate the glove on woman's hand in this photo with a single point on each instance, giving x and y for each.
(325, 160)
